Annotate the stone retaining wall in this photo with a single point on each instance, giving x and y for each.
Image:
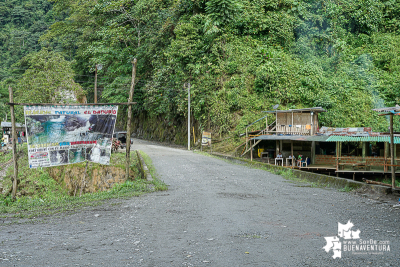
(99, 178)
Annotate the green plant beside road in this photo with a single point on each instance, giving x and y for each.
(5, 157)
(39, 194)
(286, 173)
(346, 189)
(158, 184)
(388, 181)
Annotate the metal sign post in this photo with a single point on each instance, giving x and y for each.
(188, 116)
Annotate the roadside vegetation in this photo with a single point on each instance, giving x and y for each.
(159, 185)
(39, 194)
(240, 57)
(286, 173)
(5, 158)
(289, 175)
(388, 181)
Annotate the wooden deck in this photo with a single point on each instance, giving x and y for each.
(321, 167)
(318, 167)
(366, 172)
(375, 170)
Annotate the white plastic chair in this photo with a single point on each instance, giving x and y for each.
(304, 162)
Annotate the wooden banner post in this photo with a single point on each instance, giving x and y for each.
(14, 144)
(128, 126)
(14, 135)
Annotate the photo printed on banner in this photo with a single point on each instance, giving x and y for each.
(69, 134)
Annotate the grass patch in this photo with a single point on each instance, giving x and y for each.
(5, 156)
(158, 184)
(389, 181)
(346, 189)
(286, 173)
(39, 194)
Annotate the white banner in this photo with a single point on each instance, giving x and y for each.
(59, 135)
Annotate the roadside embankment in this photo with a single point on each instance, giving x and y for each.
(320, 179)
(44, 191)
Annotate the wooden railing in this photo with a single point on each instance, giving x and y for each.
(360, 162)
(294, 129)
(262, 132)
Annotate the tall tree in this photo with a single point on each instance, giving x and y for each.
(48, 78)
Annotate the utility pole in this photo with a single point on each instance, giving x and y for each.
(128, 125)
(95, 84)
(188, 116)
(97, 67)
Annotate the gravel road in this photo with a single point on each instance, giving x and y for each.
(215, 213)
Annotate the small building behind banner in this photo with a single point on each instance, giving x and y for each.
(6, 129)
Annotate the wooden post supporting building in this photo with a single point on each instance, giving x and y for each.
(385, 156)
(251, 151)
(393, 168)
(364, 150)
(247, 139)
(390, 112)
(337, 158)
(291, 152)
(312, 152)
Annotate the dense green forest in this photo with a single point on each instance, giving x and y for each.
(22, 22)
(241, 57)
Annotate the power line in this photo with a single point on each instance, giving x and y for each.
(165, 89)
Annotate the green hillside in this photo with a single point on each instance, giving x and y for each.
(22, 22)
(240, 57)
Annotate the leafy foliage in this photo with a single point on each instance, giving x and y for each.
(241, 57)
(49, 78)
(22, 22)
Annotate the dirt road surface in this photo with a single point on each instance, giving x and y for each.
(215, 213)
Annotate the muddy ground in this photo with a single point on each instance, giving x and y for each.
(215, 213)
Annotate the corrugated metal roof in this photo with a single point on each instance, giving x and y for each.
(6, 124)
(317, 138)
(388, 109)
(293, 137)
(316, 109)
(336, 138)
(349, 131)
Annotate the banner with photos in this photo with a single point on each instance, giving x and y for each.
(60, 135)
